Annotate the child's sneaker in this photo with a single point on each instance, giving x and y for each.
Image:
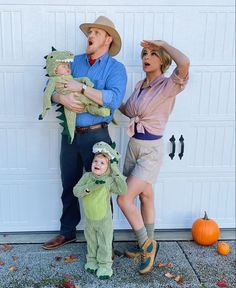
(133, 251)
(149, 251)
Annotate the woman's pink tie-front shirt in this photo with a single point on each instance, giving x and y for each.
(151, 107)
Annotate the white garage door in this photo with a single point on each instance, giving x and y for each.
(203, 179)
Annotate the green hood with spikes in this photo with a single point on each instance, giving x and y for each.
(67, 117)
(55, 58)
(109, 150)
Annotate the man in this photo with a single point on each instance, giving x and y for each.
(110, 79)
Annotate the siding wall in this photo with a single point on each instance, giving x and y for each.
(202, 180)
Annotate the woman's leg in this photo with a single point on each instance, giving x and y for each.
(138, 187)
(127, 204)
(148, 209)
(147, 204)
(148, 247)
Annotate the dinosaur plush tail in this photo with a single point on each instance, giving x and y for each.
(64, 123)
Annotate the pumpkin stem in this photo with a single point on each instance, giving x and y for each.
(205, 216)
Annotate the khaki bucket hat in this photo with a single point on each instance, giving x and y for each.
(107, 25)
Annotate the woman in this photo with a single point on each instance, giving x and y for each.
(149, 108)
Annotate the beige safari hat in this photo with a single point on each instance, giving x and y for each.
(107, 25)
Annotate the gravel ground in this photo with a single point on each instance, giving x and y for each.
(210, 266)
(197, 266)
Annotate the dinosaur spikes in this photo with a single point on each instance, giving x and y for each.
(47, 75)
(113, 145)
(45, 57)
(54, 49)
(44, 67)
(60, 108)
(61, 117)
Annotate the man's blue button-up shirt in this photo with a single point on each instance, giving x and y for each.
(107, 75)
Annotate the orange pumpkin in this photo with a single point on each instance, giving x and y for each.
(223, 248)
(205, 231)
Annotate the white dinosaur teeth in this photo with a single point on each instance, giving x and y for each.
(96, 150)
(65, 60)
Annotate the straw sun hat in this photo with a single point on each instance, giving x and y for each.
(107, 25)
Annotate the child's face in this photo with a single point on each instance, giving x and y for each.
(63, 69)
(99, 165)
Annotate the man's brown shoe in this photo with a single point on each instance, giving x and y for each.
(57, 242)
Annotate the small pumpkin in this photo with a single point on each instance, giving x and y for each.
(223, 248)
(205, 231)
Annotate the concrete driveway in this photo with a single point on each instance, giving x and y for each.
(28, 265)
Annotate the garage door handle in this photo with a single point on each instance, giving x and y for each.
(172, 140)
(181, 140)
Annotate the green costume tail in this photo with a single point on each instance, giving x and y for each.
(62, 117)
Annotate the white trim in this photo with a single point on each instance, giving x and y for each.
(119, 235)
(120, 3)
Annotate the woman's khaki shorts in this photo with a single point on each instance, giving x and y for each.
(143, 159)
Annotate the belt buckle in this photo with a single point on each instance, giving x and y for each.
(104, 125)
(81, 130)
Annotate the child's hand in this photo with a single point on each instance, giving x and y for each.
(115, 168)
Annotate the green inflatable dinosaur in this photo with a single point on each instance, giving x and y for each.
(53, 60)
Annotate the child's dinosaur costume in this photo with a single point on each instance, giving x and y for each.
(68, 117)
(96, 193)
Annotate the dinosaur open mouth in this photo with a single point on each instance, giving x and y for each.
(65, 60)
(102, 150)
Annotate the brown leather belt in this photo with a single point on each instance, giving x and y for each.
(81, 130)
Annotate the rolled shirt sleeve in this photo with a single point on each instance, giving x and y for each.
(177, 80)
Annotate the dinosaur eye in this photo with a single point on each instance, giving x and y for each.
(51, 57)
